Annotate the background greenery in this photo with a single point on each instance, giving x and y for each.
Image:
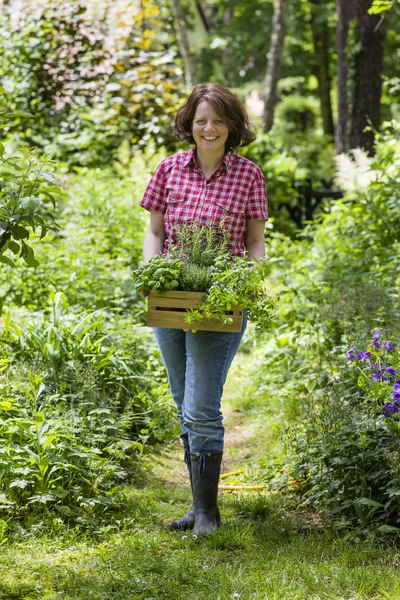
(84, 400)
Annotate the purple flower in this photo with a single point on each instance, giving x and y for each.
(351, 354)
(390, 409)
(377, 334)
(377, 376)
(391, 371)
(396, 387)
(388, 346)
(396, 396)
(376, 344)
(364, 355)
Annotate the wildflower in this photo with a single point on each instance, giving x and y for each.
(396, 387)
(364, 355)
(390, 409)
(396, 396)
(377, 334)
(351, 354)
(391, 371)
(376, 344)
(388, 346)
(377, 376)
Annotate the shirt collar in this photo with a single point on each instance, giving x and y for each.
(228, 159)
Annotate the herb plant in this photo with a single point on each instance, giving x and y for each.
(202, 263)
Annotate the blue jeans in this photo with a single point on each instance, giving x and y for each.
(197, 366)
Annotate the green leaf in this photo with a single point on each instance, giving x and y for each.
(19, 233)
(311, 385)
(380, 6)
(19, 483)
(388, 529)
(38, 418)
(368, 502)
(49, 439)
(7, 261)
(14, 247)
(1, 149)
(30, 257)
(18, 113)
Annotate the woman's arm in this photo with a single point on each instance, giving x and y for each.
(254, 239)
(155, 236)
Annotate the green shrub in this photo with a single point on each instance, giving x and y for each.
(78, 400)
(347, 460)
(334, 285)
(91, 258)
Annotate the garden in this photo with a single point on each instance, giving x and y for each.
(91, 467)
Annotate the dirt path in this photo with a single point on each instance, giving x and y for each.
(242, 439)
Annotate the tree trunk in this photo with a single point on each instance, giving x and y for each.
(321, 35)
(366, 110)
(274, 66)
(183, 40)
(227, 21)
(346, 10)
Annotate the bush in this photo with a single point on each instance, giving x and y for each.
(92, 256)
(78, 400)
(334, 285)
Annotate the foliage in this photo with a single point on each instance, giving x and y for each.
(77, 402)
(380, 6)
(348, 455)
(90, 81)
(26, 188)
(289, 161)
(333, 286)
(91, 257)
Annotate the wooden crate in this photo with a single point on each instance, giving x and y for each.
(169, 309)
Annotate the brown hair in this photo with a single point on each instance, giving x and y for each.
(226, 105)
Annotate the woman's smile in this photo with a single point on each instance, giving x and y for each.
(209, 129)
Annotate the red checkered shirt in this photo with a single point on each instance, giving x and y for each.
(234, 193)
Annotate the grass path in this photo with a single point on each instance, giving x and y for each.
(263, 551)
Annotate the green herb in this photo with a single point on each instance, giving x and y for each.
(202, 263)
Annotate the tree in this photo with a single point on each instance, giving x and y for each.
(366, 108)
(321, 37)
(359, 95)
(274, 66)
(184, 45)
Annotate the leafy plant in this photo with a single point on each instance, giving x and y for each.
(202, 263)
(26, 188)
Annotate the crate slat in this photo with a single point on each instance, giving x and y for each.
(174, 317)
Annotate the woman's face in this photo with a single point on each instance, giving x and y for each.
(209, 129)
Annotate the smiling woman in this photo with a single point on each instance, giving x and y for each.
(208, 184)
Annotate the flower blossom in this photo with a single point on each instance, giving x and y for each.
(351, 353)
(364, 355)
(388, 346)
(390, 409)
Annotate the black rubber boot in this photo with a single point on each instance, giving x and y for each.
(187, 521)
(205, 469)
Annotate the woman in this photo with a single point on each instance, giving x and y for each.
(208, 183)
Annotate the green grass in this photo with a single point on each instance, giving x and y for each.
(258, 553)
(265, 549)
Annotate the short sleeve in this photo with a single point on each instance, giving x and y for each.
(154, 197)
(257, 204)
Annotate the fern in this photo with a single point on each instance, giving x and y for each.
(353, 170)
